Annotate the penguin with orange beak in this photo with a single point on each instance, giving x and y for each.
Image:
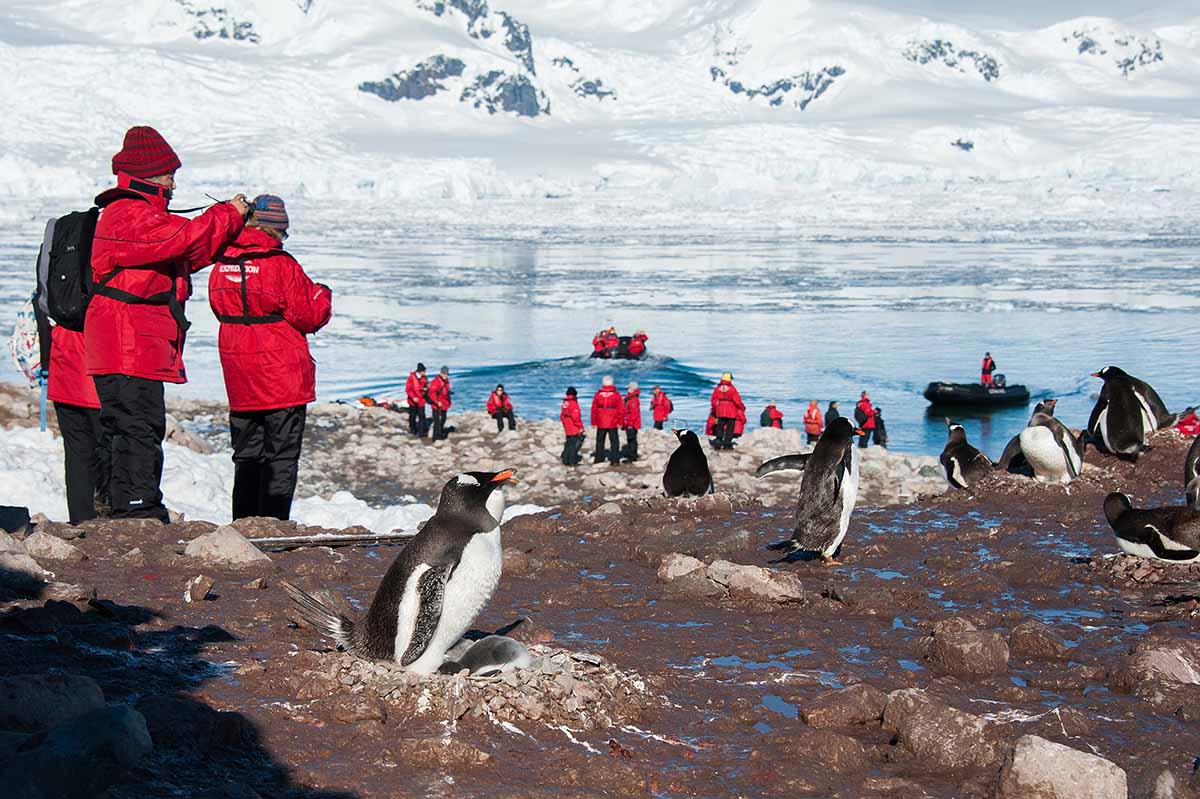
(436, 586)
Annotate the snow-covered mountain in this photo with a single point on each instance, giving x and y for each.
(704, 100)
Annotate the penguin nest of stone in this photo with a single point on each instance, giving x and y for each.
(579, 690)
(1129, 571)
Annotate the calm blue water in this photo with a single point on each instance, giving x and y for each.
(818, 317)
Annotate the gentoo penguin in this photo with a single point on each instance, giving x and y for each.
(1170, 534)
(1126, 413)
(1050, 448)
(963, 463)
(687, 468)
(1012, 460)
(1191, 475)
(492, 654)
(828, 491)
(436, 586)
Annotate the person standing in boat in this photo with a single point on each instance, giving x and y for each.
(989, 366)
(612, 342)
(637, 344)
(864, 416)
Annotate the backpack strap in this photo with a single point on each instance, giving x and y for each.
(245, 318)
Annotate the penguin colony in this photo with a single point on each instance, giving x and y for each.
(443, 578)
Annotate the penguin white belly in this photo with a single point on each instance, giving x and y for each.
(956, 475)
(1134, 548)
(849, 497)
(1044, 455)
(1149, 421)
(1102, 423)
(471, 585)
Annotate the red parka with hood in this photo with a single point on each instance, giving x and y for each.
(267, 365)
(69, 381)
(633, 410)
(497, 402)
(142, 251)
(414, 389)
(726, 401)
(608, 409)
(439, 392)
(572, 418)
(661, 405)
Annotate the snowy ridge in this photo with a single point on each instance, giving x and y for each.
(700, 102)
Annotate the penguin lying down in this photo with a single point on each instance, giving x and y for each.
(1170, 533)
(434, 590)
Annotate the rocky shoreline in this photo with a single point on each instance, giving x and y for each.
(979, 644)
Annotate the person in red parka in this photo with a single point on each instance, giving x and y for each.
(414, 391)
(612, 342)
(661, 407)
(864, 415)
(637, 344)
(599, 346)
(143, 258)
(632, 421)
(726, 406)
(267, 306)
(814, 424)
(739, 424)
(608, 414)
(771, 417)
(500, 407)
(572, 421)
(439, 400)
(986, 368)
(86, 455)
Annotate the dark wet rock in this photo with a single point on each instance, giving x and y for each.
(1159, 661)
(755, 582)
(198, 588)
(227, 547)
(865, 599)
(1041, 769)
(969, 653)
(942, 736)
(33, 702)
(1063, 721)
(78, 758)
(954, 624)
(438, 752)
(9, 543)
(177, 722)
(480, 24)
(846, 707)
(1032, 639)
(499, 91)
(836, 753)
(421, 81)
(20, 573)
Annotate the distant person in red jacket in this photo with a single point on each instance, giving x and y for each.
(142, 261)
(814, 424)
(726, 405)
(661, 406)
(599, 349)
(612, 342)
(608, 414)
(989, 366)
(632, 421)
(439, 401)
(414, 391)
(86, 455)
(572, 421)
(771, 417)
(864, 415)
(637, 344)
(267, 306)
(500, 407)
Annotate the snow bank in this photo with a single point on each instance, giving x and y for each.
(198, 486)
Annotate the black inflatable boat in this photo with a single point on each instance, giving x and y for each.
(999, 393)
(622, 352)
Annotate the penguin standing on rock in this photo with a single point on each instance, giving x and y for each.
(687, 470)
(1050, 448)
(828, 491)
(436, 586)
(963, 463)
(1126, 413)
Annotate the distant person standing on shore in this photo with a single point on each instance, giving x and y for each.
(439, 400)
(572, 421)
(661, 406)
(812, 421)
(632, 421)
(989, 366)
(608, 412)
(771, 417)
(832, 413)
(500, 407)
(726, 405)
(414, 389)
(880, 430)
(864, 416)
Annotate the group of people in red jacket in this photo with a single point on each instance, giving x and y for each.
(611, 412)
(607, 344)
(420, 391)
(107, 381)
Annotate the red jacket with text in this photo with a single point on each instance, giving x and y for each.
(69, 382)
(142, 251)
(414, 389)
(608, 409)
(633, 411)
(572, 418)
(266, 306)
(439, 392)
(726, 401)
(661, 405)
(496, 403)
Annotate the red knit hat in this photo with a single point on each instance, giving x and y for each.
(145, 154)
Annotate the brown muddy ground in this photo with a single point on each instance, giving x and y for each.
(724, 679)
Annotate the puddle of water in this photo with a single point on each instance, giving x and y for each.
(1072, 616)
(777, 704)
(910, 665)
(887, 574)
(856, 653)
(763, 727)
(1018, 681)
(733, 661)
(592, 575)
(796, 653)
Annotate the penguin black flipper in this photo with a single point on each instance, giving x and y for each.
(1068, 444)
(1012, 451)
(1191, 475)
(783, 463)
(1093, 426)
(431, 593)
(1157, 543)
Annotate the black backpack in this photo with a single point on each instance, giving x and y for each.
(64, 268)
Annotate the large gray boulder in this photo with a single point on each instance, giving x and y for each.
(945, 738)
(34, 702)
(225, 546)
(1041, 769)
(44, 545)
(756, 582)
(969, 653)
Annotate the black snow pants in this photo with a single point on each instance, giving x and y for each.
(571, 447)
(418, 425)
(266, 455)
(86, 460)
(133, 420)
(613, 452)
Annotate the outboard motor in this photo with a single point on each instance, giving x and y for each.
(998, 381)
